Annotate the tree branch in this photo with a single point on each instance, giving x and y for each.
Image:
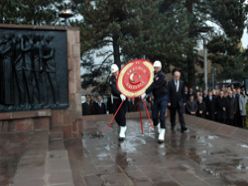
(103, 62)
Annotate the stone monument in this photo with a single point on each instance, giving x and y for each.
(40, 79)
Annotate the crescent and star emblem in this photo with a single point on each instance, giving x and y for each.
(135, 77)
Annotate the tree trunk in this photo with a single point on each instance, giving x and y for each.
(116, 49)
(191, 67)
(190, 55)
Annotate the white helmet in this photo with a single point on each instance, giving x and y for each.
(157, 64)
(114, 68)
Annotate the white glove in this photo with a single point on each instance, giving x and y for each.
(143, 96)
(123, 97)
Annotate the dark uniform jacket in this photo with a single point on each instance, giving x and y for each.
(114, 90)
(159, 86)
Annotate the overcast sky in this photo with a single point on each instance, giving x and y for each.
(245, 35)
(245, 39)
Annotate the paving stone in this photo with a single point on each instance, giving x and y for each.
(203, 157)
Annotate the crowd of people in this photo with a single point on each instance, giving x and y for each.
(225, 105)
(94, 105)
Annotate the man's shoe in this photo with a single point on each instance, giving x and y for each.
(122, 133)
(161, 136)
(184, 130)
(121, 139)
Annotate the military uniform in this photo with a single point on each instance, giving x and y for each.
(160, 93)
(116, 100)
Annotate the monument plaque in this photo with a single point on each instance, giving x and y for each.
(33, 69)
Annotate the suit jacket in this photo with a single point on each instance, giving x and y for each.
(210, 105)
(221, 103)
(86, 108)
(191, 106)
(175, 97)
(230, 106)
(237, 110)
(202, 108)
(99, 108)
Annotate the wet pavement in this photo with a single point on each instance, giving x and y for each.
(201, 157)
(12, 147)
(197, 158)
(29, 160)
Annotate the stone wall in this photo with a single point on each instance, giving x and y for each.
(68, 119)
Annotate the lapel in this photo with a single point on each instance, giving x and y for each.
(174, 86)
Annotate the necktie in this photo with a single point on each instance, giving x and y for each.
(177, 85)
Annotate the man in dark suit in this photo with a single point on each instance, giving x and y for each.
(230, 109)
(87, 106)
(221, 104)
(201, 107)
(237, 116)
(176, 100)
(99, 106)
(210, 106)
(191, 106)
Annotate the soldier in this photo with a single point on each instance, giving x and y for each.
(160, 93)
(117, 99)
